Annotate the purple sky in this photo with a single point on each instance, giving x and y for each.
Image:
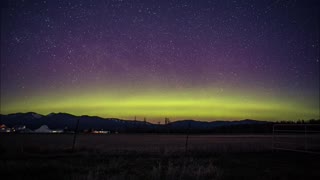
(268, 47)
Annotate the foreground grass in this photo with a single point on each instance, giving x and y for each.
(135, 165)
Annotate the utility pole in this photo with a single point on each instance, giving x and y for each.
(166, 120)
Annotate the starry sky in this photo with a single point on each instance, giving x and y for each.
(192, 59)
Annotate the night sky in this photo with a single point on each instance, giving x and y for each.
(203, 60)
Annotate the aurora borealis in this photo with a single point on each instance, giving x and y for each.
(204, 60)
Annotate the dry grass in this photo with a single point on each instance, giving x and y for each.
(164, 158)
(140, 166)
(136, 142)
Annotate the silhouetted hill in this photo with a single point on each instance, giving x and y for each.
(207, 125)
(62, 120)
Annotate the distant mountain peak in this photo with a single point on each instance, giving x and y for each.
(60, 113)
(37, 116)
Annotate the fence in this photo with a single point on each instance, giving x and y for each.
(296, 137)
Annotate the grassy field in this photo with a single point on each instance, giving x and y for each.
(135, 165)
(133, 156)
(141, 142)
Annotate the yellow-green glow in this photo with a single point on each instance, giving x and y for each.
(211, 104)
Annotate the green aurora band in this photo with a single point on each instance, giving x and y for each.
(201, 104)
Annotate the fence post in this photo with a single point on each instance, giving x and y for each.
(75, 135)
(273, 137)
(187, 138)
(305, 138)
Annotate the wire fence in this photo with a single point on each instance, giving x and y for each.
(296, 137)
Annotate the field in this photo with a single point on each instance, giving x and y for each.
(151, 156)
(139, 142)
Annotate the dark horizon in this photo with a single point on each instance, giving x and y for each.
(142, 119)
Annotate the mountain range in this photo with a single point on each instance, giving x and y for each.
(63, 120)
